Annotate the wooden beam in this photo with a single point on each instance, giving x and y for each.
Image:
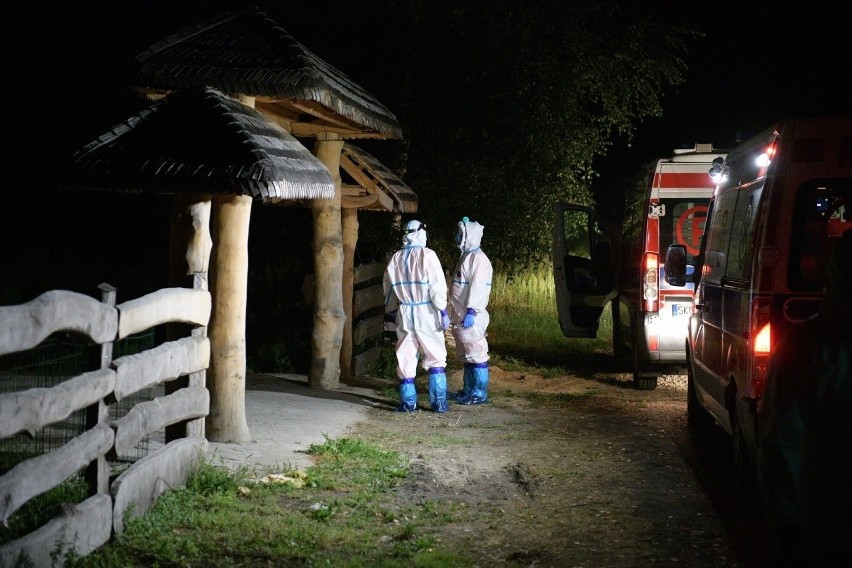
(27, 325)
(139, 486)
(165, 305)
(350, 190)
(162, 363)
(366, 181)
(33, 409)
(153, 415)
(42, 473)
(80, 529)
(361, 362)
(360, 202)
(323, 113)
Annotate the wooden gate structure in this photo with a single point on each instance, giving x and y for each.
(85, 526)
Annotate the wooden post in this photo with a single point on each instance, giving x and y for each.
(350, 239)
(97, 474)
(329, 314)
(195, 428)
(228, 280)
(226, 377)
(189, 238)
(189, 261)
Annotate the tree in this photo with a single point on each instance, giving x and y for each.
(511, 103)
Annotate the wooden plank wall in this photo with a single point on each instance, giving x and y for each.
(368, 296)
(83, 527)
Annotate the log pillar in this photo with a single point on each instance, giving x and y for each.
(350, 239)
(329, 315)
(226, 376)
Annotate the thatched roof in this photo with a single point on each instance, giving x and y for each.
(247, 53)
(202, 141)
(375, 180)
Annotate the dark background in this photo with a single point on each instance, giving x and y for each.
(757, 62)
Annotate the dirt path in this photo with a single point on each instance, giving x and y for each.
(561, 472)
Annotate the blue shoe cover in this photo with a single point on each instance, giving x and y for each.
(407, 395)
(438, 389)
(471, 399)
(467, 385)
(479, 394)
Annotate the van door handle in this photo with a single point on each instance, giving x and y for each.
(703, 308)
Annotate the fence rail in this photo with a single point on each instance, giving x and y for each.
(83, 527)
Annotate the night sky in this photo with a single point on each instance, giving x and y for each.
(758, 62)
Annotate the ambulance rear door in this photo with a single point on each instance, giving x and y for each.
(582, 269)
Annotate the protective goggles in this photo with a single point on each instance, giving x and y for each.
(415, 229)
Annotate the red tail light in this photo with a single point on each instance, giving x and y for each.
(654, 343)
(763, 340)
(651, 282)
(761, 344)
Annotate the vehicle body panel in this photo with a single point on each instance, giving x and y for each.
(769, 229)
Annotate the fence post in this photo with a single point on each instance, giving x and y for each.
(195, 428)
(188, 428)
(97, 473)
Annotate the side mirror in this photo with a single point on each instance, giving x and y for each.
(676, 265)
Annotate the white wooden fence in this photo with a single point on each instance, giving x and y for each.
(85, 526)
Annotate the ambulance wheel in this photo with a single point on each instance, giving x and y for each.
(642, 379)
(644, 382)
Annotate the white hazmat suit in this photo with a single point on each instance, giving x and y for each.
(416, 298)
(469, 293)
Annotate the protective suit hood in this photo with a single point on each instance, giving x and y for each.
(470, 235)
(414, 234)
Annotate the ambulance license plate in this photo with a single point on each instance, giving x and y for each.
(681, 309)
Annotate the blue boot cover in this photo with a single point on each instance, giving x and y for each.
(479, 394)
(407, 395)
(467, 384)
(438, 388)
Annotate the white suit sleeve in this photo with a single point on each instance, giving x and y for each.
(437, 280)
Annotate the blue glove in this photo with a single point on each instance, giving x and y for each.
(445, 320)
(468, 318)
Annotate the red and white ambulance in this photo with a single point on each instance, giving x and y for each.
(666, 204)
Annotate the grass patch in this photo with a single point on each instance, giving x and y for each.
(343, 517)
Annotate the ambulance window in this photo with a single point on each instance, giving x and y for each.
(718, 236)
(823, 213)
(683, 224)
(740, 249)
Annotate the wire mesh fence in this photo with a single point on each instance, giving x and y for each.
(59, 358)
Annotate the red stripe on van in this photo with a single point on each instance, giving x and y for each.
(672, 180)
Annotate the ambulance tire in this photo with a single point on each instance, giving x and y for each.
(697, 419)
(743, 473)
(642, 379)
(644, 382)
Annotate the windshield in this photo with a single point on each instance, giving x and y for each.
(823, 214)
(683, 224)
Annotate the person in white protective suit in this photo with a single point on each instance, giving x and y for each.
(469, 294)
(416, 302)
